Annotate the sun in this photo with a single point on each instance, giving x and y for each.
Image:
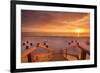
(78, 30)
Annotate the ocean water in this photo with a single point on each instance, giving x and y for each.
(55, 43)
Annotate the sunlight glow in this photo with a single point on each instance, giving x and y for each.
(79, 30)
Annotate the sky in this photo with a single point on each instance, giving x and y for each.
(55, 23)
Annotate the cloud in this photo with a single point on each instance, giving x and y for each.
(46, 21)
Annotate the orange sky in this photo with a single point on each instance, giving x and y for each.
(69, 23)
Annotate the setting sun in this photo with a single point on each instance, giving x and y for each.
(41, 23)
(78, 30)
